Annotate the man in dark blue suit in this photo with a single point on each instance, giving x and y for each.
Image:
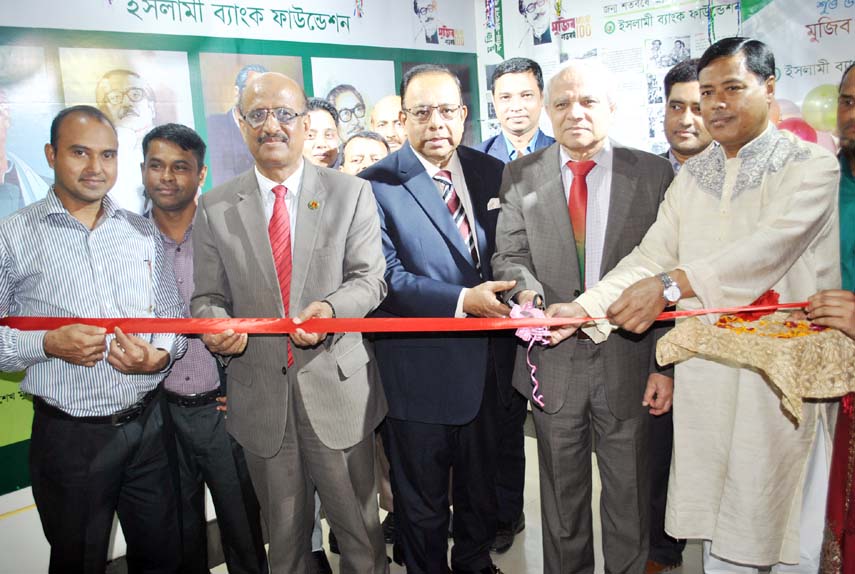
(438, 207)
(517, 86)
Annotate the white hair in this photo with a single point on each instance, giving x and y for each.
(587, 67)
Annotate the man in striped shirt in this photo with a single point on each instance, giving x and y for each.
(96, 445)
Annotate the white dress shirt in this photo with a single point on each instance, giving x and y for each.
(597, 214)
(293, 183)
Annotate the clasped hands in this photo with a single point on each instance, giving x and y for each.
(85, 345)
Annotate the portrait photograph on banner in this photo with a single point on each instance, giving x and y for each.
(352, 87)
(137, 90)
(30, 95)
(223, 78)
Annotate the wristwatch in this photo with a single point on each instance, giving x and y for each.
(670, 290)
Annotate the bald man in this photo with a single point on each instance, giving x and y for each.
(290, 239)
(589, 391)
(386, 121)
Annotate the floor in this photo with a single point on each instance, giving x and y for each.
(525, 555)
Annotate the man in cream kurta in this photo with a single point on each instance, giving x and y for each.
(741, 217)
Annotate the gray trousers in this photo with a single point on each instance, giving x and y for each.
(344, 479)
(564, 443)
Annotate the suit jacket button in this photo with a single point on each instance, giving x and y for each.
(284, 370)
(576, 292)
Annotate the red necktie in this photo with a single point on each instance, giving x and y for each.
(578, 207)
(279, 231)
(455, 207)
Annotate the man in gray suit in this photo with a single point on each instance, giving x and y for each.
(291, 239)
(575, 191)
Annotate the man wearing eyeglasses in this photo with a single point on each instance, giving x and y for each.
(127, 99)
(290, 239)
(438, 209)
(350, 106)
(536, 14)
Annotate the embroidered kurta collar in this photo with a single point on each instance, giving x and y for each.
(767, 153)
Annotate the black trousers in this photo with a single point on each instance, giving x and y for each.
(421, 456)
(510, 458)
(83, 473)
(663, 548)
(207, 454)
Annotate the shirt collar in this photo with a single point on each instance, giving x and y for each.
(150, 216)
(602, 158)
(752, 148)
(845, 172)
(512, 151)
(54, 206)
(675, 163)
(453, 166)
(265, 185)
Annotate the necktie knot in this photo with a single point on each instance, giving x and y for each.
(444, 177)
(581, 168)
(280, 191)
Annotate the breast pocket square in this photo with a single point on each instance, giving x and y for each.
(494, 203)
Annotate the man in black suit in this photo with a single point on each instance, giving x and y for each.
(684, 126)
(438, 208)
(517, 86)
(227, 152)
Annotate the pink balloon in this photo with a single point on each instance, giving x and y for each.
(788, 109)
(799, 127)
(826, 140)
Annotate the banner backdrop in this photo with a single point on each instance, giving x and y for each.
(148, 62)
(637, 40)
(812, 42)
(435, 24)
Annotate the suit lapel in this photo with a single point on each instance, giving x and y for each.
(249, 210)
(423, 189)
(553, 205)
(310, 211)
(499, 149)
(475, 186)
(624, 181)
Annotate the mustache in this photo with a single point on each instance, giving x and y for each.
(127, 111)
(280, 137)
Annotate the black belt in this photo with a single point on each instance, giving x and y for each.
(188, 401)
(116, 419)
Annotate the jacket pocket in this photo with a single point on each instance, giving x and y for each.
(351, 359)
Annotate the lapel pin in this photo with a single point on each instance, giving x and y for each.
(313, 204)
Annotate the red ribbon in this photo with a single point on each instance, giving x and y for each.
(362, 325)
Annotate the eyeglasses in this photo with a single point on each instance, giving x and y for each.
(284, 116)
(115, 97)
(423, 11)
(423, 113)
(531, 7)
(345, 114)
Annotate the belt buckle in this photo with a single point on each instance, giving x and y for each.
(125, 416)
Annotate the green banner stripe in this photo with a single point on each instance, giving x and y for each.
(750, 7)
(15, 465)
